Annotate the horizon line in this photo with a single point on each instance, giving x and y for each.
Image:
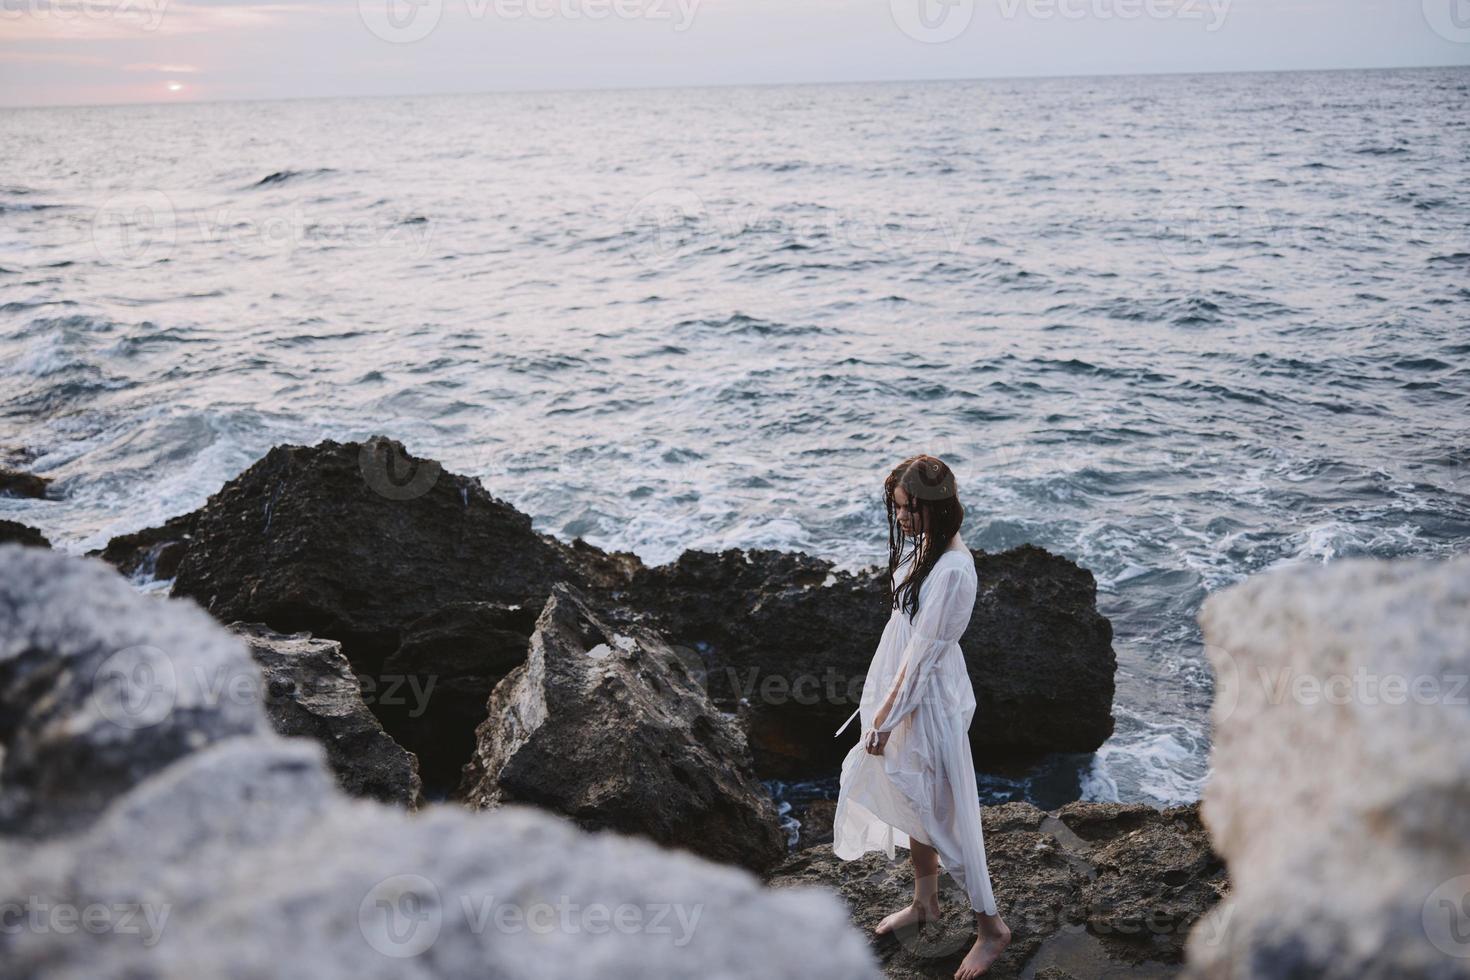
(725, 85)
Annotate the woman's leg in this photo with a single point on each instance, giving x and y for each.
(992, 937)
(926, 890)
(926, 875)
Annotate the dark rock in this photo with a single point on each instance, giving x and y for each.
(13, 532)
(153, 553)
(100, 688)
(225, 849)
(354, 541)
(794, 639)
(1041, 656)
(612, 729)
(1071, 905)
(1153, 883)
(816, 823)
(445, 668)
(18, 483)
(311, 692)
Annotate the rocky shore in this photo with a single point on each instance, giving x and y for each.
(423, 577)
(399, 628)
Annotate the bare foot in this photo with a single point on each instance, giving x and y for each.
(909, 915)
(991, 942)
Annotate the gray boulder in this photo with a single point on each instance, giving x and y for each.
(238, 855)
(100, 688)
(613, 729)
(1339, 792)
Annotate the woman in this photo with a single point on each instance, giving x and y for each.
(910, 780)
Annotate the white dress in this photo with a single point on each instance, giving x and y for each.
(923, 785)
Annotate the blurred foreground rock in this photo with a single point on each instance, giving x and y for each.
(1339, 793)
(204, 844)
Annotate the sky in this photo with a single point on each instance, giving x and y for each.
(69, 52)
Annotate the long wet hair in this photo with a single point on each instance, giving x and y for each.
(930, 484)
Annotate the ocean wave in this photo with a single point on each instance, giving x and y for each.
(282, 176)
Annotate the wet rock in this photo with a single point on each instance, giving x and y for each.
(13, 532)
(229, 850)
(611, 728)
(18, 483)
(435, 686)
(152, 553)
(1071, 905)
(1339, 792)
(794, 639)
(311, 692)
(816, 819)
(354, 541)
(100, 687)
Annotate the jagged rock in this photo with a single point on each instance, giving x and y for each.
(153, 553)
(354, 541)
(311, 692)
(245, 859)
(445, 668)
(612, 729)
(18, 483)
(99, 688)
(1339, 792)
(1073, 907)
(13, 532)
(794, 639)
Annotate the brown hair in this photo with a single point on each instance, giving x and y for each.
(930, 485)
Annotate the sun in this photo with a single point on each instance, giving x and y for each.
(174, 86)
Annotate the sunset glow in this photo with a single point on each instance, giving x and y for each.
(65, 52)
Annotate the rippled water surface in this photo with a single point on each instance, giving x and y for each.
(1179, 329)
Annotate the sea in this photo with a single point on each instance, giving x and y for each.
(1178, 328)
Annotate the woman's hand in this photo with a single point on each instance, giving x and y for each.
(874, 742)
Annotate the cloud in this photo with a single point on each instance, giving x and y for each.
(165, 69)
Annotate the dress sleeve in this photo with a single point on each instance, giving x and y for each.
(941, 620)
